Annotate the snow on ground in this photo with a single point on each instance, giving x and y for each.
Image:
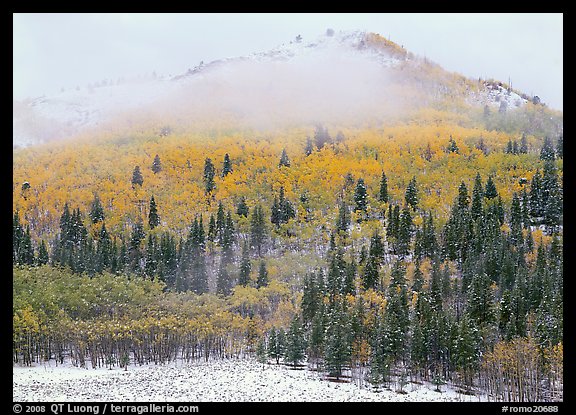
(218, 380)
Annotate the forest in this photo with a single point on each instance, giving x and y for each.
(429, 251)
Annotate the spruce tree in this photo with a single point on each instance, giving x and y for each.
(242, 208)
(245, 267)
(547, 151)
(490, 191)
(411, 195)
(523, 145)
(209, 173)
(536, 197)
(383, 192)
(262, 280)
(360, 196)
(153, 217)
(42, 258)
(277, 344)
(295, 343)
(284, 160)
(226, 165)
(156, 164)
(96, 210)
(137, 178)
(258, 232)
(560, 147)
(338, 347)
(343, 220)
(477, 208)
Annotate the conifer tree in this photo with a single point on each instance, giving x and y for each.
(137, 178)
(209, 173)
(411, 195)
(153, 217)
(360, 196)
(547, 151)
(523, 149)
(477, 208)
(226, 165)
(383, 192)
(490, 192)
(242, 208)
(156, 164)
(262, 280)
(343, 220)
(42, 258)
(96, 210)
(284, 160)
(295, 343)
(245, 267)
(257, 229)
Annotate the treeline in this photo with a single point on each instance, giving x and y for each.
(466, 303)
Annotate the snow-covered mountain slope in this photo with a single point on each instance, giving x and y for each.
(342, 75)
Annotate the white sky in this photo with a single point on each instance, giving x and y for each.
(52, 51)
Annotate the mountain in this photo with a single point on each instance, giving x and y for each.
(353, 76)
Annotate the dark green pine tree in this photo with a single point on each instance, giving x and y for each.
(26, 249)
(245, 267)
(479, 306)
(258, 231)
(360, 196)
(152, 256)
(262, 280)
(336, 274)
(463, 198)
(536, 195)
(311, 298)
(452, 146)
(137, 178)
(404, 233)
(42, 258)
(226, 166)
(153, 217)
(396, 320)
(242, 208)
(551, 196)
(490, 191)
(523, 145)
(393, 222)
(467, 350)
(516, 237)
(295, 343)
(338, 346)
(134, 251)
(104, 250)
(96, 210)
(370, 275)
(194, 273)
(509, 147)
(276, 344)
(223, 279)
(560, 147)
(418, 278)
(547, 151)
(209, 173)
(383, 192)
(343, 220)
(220, 223)
(477, 208)
(156, 164)
(212, 232)
(284, 160)
(276, 212)
(411, 195)
(515, 147)
(309, 148)
(348, 286)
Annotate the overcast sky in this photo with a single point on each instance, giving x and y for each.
(52, 51)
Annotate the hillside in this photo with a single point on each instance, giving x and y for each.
(341, 204)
